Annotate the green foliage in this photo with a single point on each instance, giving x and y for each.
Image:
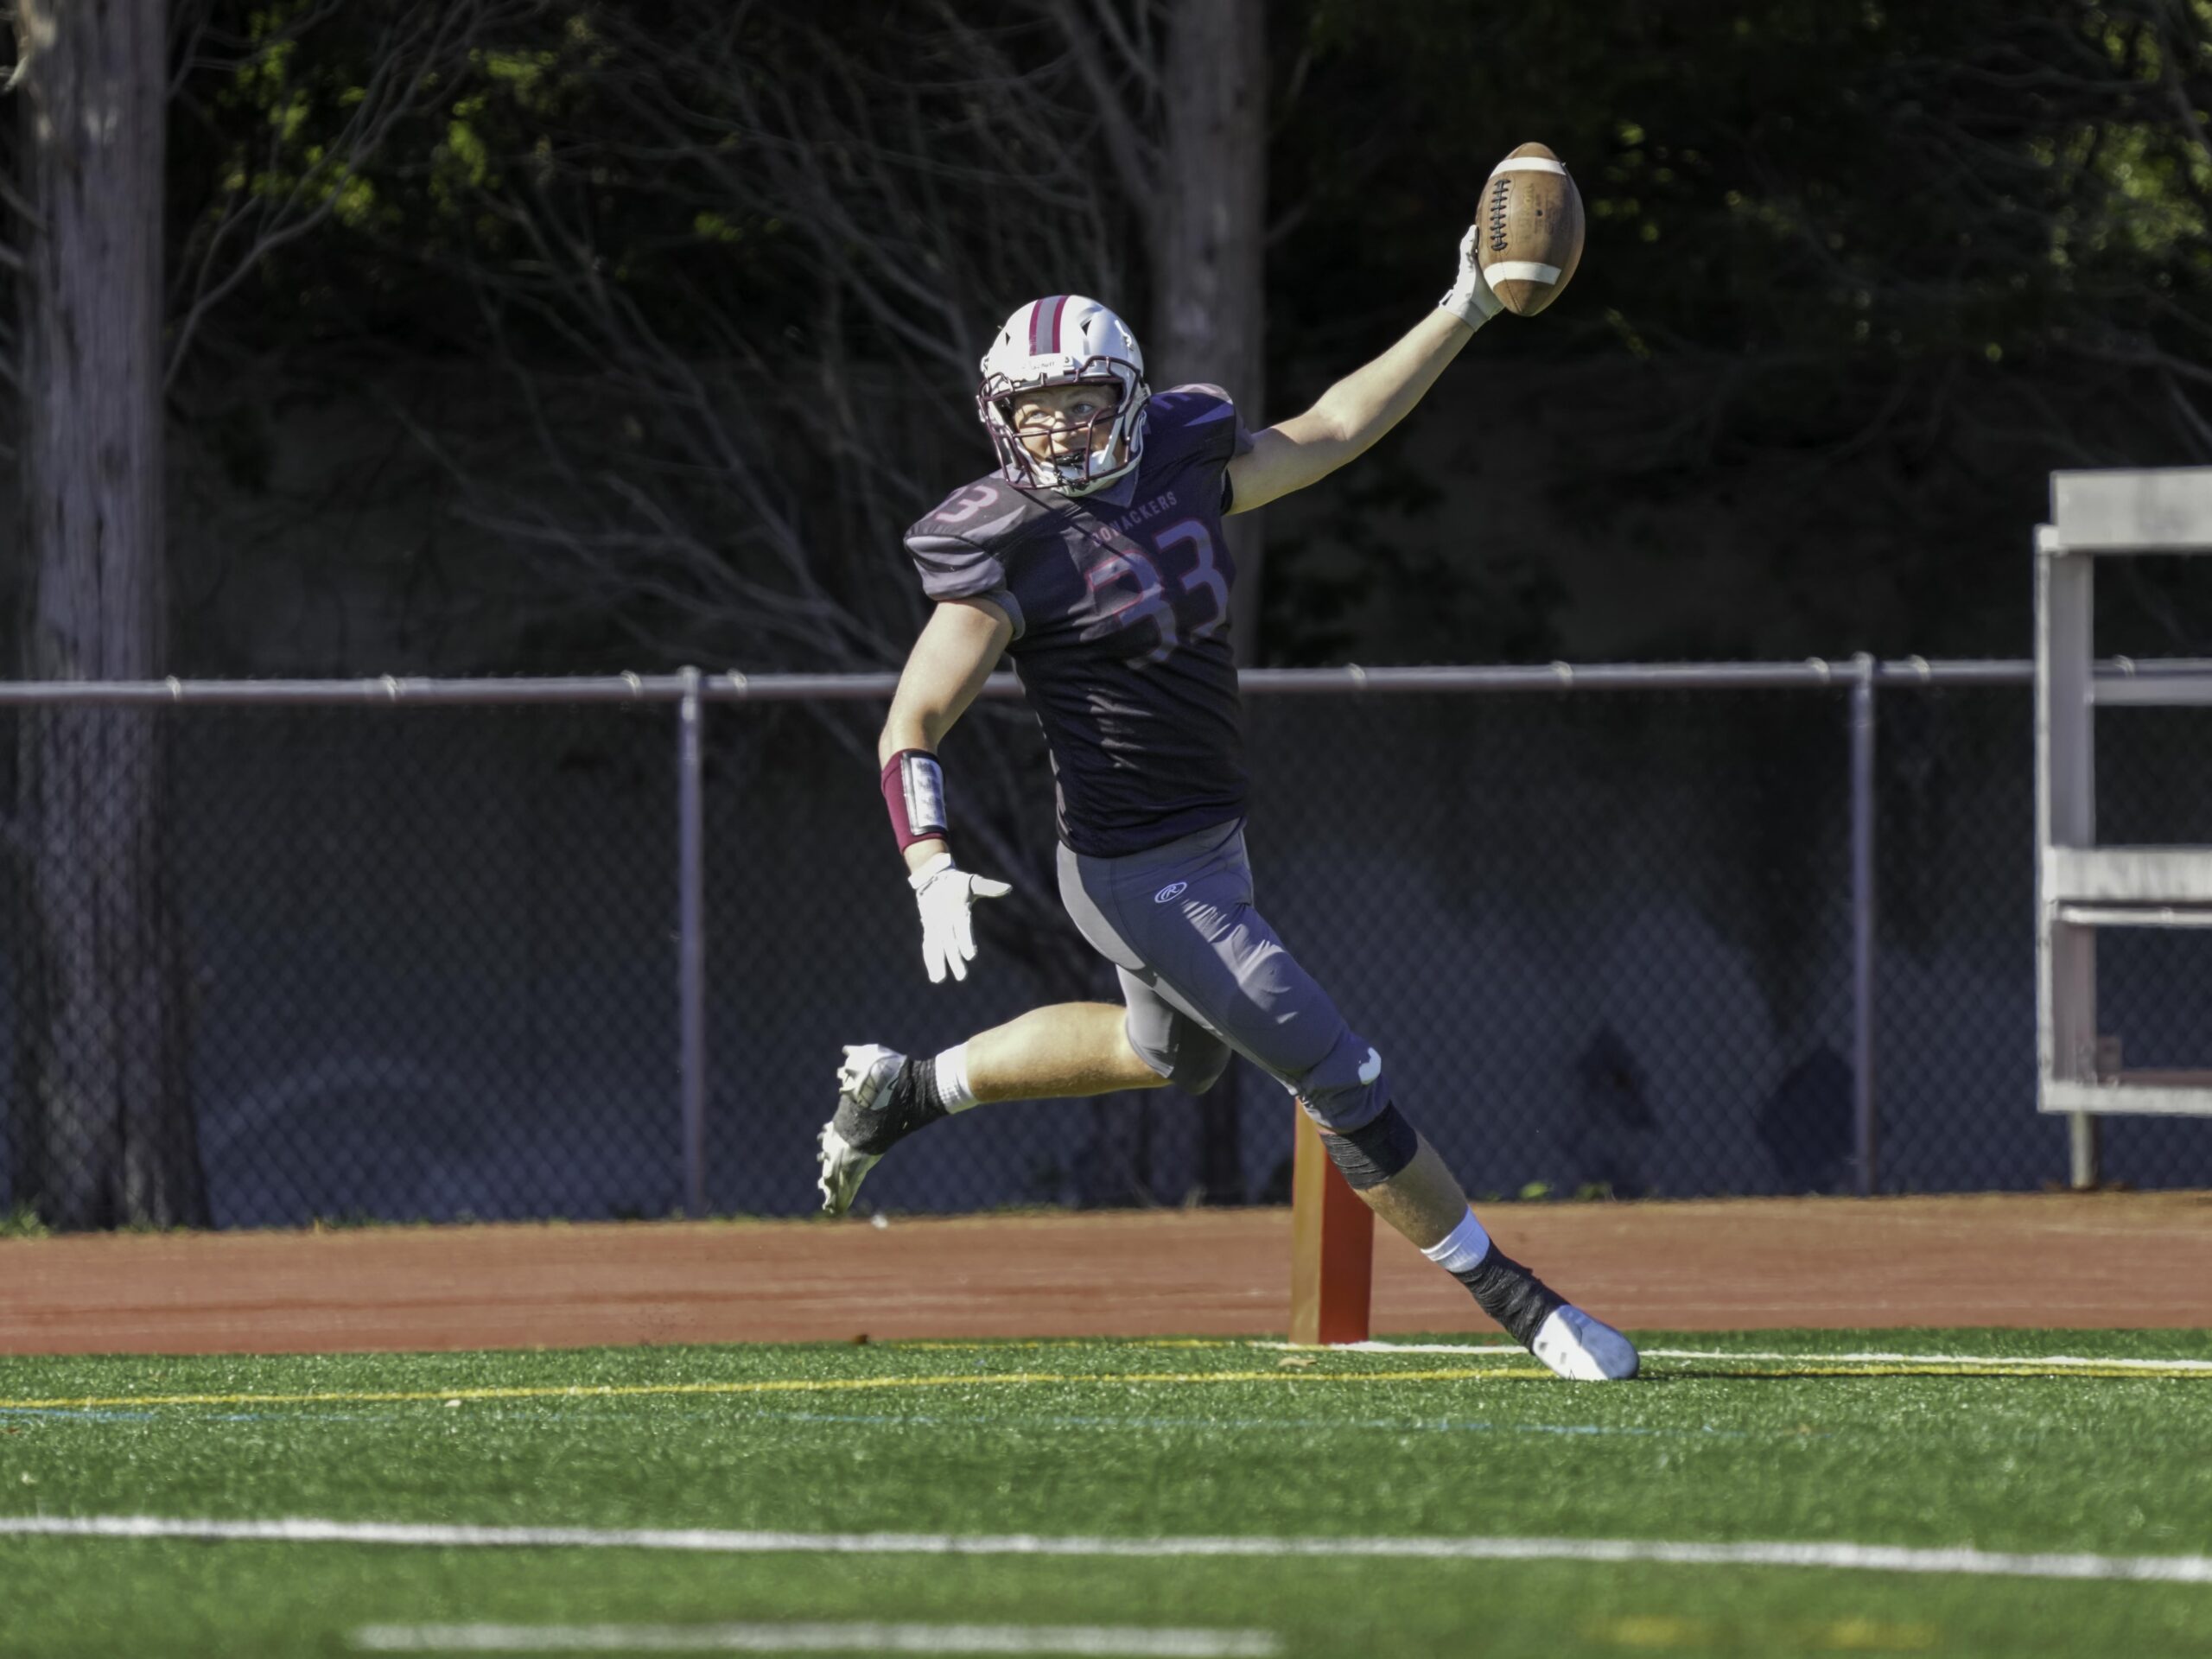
(1870, 240)
(1934, 251)
(1354, 575)
(1864, 183)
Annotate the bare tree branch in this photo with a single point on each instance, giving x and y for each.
(1135, 160)
(13, 201)
(425, 42)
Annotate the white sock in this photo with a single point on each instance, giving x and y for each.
(1463, 1248)
(952, 1085)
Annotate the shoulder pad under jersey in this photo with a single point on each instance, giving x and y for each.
(959, 546)
(1199, 420)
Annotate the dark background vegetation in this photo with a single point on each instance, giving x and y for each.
(515, 335)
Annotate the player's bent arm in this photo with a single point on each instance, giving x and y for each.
(959, 646)
(1349, 417)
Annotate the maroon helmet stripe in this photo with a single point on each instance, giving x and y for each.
(1045, 325)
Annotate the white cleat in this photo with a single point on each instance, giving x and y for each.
(1583, 1349)
(842, 1169)
(867, 1071)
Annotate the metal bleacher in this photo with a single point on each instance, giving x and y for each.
(2082, 887)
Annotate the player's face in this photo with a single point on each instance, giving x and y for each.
(1054, 423)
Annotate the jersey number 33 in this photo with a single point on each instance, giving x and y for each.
(1179, 589)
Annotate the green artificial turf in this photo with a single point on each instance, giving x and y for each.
(1128, 1441)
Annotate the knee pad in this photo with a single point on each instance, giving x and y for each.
(1202, 1070)
(1180, 1050)
(1372, 1154)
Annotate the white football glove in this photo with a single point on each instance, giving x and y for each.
(1469, 299)
(944, 891)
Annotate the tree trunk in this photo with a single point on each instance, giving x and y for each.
(103, 1117)
(1209, 225)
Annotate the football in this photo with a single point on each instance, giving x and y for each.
(1531, 225)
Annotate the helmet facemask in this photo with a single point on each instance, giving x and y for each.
(1080, 455)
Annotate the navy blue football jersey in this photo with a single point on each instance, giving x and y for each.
(1119, 603)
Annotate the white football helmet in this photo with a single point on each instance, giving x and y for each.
(1064, 341)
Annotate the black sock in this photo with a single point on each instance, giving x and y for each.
(1511, 1294)
(909, 1103)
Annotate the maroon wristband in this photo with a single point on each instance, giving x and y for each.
(913, 792)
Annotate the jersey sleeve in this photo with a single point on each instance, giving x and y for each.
(959, 557)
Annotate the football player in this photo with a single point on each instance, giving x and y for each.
(1094, 557)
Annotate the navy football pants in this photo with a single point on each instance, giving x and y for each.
(1203, 974)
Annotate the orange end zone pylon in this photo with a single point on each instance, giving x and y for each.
(1332, 1246)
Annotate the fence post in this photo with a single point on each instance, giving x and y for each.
(692, 946)
(1862, 922)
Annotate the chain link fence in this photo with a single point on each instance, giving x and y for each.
(423, 970)
(303, 953)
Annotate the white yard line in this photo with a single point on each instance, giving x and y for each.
(1880, 1558)
(2187, 1367)
(1100, 1641)
(2058, 1362)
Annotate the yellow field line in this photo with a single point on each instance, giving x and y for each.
(776, 1385)
(1001, 1344)
(1004, 1379)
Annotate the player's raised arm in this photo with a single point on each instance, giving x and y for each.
(1367, 403)
(958, 647)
